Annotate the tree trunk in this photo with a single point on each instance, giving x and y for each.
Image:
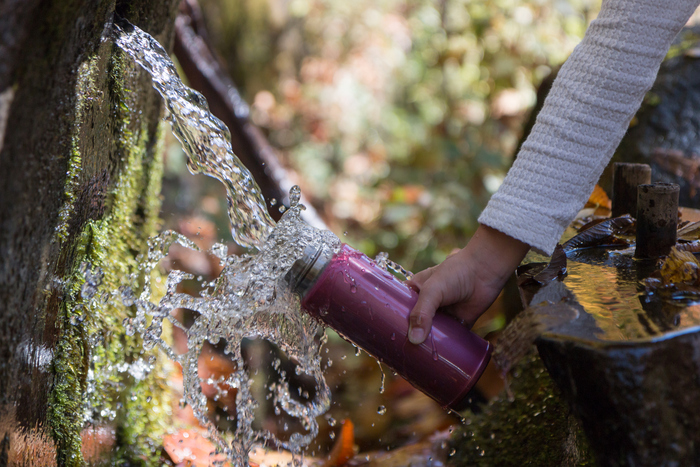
(79, 183)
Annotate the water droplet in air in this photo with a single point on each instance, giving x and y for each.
(381, 410)
(127, 294)
(332, 435)
(294, 196)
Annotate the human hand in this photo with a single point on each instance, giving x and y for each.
(467, 282)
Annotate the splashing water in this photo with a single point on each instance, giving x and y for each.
(250, 298)
(204, 138)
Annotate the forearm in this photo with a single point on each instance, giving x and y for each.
(596, 94)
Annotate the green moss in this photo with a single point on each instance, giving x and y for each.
(535, 428)
(85, 91)
(139, 408)
(70, 355)
(93, 349)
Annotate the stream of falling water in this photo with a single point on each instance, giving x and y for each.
(204, 138)
(250, 298)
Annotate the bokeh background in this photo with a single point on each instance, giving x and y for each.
(398, 119)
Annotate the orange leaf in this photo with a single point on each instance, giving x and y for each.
(344, 448)
(599, 198)
(191, 448)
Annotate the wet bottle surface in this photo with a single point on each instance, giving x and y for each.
(369, 307)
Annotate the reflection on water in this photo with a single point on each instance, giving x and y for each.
(606, 287)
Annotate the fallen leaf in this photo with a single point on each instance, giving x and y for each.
(689, 231)
(602, 234)
(554, 270)
(189, 448)
(344, 448)
(692, 247)
(598, 198)
(680, 267)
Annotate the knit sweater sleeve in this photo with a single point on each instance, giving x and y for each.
(596, 94)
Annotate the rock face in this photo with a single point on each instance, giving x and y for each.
(638, 403)
(79, 130)
(628, 365)
(532, 427)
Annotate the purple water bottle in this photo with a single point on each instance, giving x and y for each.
(369, 307)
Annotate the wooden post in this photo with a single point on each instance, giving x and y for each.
(626, 178)
(657, 219)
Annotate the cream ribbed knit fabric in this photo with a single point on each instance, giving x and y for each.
(594, 97)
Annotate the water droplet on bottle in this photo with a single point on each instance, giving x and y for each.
(435, 355)
(353, 289)
(381, 410)
(453, 452)
(393, 336)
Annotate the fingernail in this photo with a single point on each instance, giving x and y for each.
(415, 335)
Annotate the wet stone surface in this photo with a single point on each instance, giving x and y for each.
(629, 363)
(61, 157)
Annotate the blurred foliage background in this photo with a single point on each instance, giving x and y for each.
(398, 118)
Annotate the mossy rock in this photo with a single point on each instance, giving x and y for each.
(80, 174)
(532, 426)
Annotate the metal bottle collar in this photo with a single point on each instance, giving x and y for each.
(307, 269)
